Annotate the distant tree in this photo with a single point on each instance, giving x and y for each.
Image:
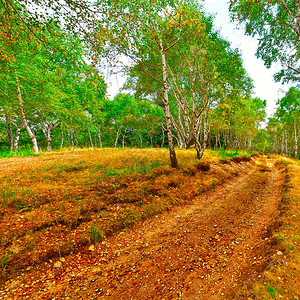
(128, 118)
(44, 87)
(289, 113)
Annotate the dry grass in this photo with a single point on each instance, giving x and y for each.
(281, 279)
(53, 204)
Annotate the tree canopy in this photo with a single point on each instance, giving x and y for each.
(276, 25)
(187, 84)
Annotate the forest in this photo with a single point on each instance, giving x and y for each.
(181, 185)
(186, 86)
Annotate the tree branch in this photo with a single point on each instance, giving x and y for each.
(295, 70)
(174, 43)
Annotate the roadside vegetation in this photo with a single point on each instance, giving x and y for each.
(281, 278)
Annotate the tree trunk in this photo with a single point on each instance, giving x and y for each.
(48, 133)
(141, 139)
(99, 137)
(201, 148)
(117, 137)
(75, 139)
(296, 140)
(10, 136)
(228, 136)
(123, 139)
(237, 145)
(71, 138)
(13, 140)
(286, 142)
(23, 117)
(274, 145)
(282, 143)
(205, 134)
(216, 142)
(16, 140)
(90, 136)
(62, 137)
(163, 138)
(173, 158)
(250, 143)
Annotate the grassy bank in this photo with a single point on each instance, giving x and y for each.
(281, 278)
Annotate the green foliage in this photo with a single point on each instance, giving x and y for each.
(21, 153)
(64, 96)
(227, 153)
(131, 122)
(275, 23)
(57, 86)
(282, 133)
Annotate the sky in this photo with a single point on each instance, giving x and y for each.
(264, 85)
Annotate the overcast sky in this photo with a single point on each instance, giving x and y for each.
(264, 85)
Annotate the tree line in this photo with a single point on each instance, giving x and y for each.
(188, 87)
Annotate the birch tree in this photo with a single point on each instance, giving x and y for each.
(201, 70)
(138, 31)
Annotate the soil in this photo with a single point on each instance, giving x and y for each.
(212, 249)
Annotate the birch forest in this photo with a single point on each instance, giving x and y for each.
(186, 86)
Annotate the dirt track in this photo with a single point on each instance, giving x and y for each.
(208, 250)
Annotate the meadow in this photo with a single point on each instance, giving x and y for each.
(55, 203)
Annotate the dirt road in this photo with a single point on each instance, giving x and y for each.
(208, 250)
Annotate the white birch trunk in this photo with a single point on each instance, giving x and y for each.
(286, 142)
(62, 138)
(296, 140)
(16, 140)
(23, 117)
(163, 138)
(173, 158)
(99, 137)
(117, 137)
(90, 136)
(48, 133)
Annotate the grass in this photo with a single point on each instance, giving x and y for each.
(281, 278)
(231, 153)
(20, 153)
(56, 203)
